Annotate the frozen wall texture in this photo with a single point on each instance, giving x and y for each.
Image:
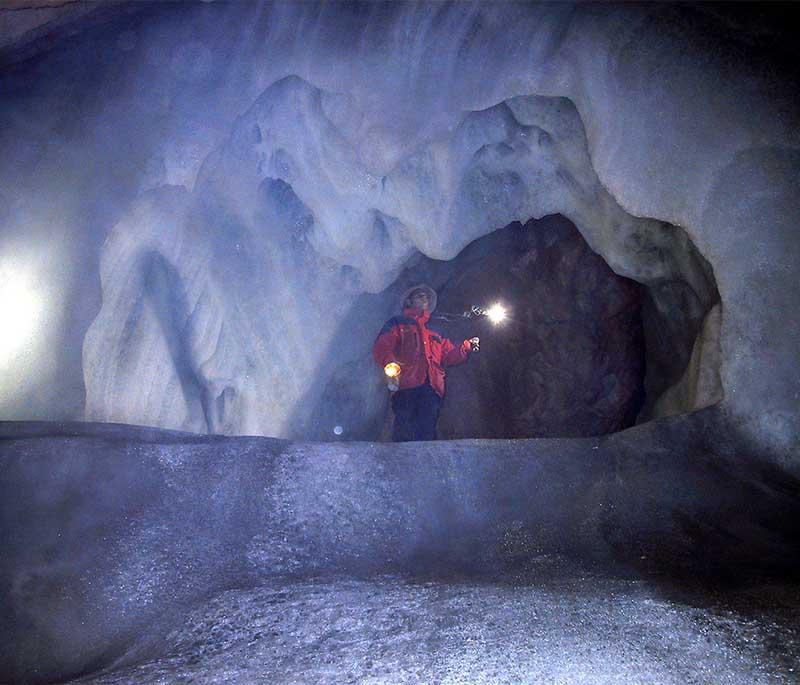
(201, 194)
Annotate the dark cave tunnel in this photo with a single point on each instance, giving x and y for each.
(583, 352)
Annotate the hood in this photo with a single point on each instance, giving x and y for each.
(431, 295)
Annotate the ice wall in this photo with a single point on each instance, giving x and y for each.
(342, 138)
(286, 225)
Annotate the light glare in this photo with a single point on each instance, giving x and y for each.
(20, 307)
(496, 313)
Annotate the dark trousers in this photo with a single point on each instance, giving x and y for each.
(416, 412)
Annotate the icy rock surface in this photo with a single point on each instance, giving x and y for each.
(563, 624)
(127, 531)
(398, 127)
(699, 386)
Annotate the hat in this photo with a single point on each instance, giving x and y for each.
(404, 303)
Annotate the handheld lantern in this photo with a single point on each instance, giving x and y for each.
(392, 371)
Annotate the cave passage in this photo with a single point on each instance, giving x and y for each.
(568, 361)
(583, 351)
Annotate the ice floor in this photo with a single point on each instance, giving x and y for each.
(558, 624)
(141, 556)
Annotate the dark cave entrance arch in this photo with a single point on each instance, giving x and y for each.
(585, 351)
(570, 359)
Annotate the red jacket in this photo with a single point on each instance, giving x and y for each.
(421, 351)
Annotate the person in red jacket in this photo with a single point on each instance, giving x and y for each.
(422, 353)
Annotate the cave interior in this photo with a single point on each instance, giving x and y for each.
(209, 209)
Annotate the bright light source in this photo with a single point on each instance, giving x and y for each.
(496, 313)
(20, 308)
(392, 369)
(338, 430)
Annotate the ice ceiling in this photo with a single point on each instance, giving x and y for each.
(199, 194)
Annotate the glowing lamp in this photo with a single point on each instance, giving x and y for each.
(392, 369)
(496, 313)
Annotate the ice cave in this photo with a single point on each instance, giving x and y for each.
(208, 211)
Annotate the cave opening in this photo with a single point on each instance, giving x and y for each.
(568, 361)
(583, 352)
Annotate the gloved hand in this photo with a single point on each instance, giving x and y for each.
(475, 344)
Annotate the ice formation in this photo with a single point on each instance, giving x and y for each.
(223, 183)
(205, 203)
